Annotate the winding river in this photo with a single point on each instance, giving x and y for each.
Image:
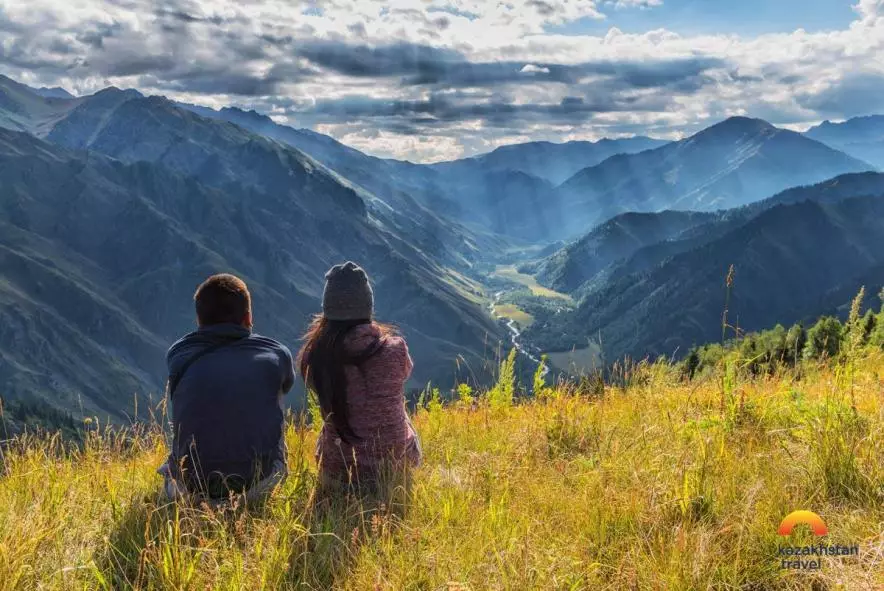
(515, 333)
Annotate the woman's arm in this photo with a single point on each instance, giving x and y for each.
(409, 364)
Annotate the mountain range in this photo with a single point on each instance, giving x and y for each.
(114, 206)
(861, 137)
(128, 202)
(504, 193)
(665, 291)
(729, 164)
(552, 162)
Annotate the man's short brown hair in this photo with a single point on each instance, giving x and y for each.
(222, 299)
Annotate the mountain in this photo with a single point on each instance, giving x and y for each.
(110, 223)
(632, 242)
(509, 203)
(412, 196)
(81, 123)
(861, 137)
(552, 162)
(511, 190)
(732, 163)
(616, 239)
(24, 109)
(54, 92)
(790, 255)
(116, 205)
(501, 194)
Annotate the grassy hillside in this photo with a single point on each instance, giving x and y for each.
(654, 483)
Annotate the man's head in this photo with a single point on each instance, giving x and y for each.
(223, 299)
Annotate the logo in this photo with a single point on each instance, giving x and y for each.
(808, 557)
(817, 525)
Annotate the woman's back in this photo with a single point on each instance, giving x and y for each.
(375, 404)
(358, 369)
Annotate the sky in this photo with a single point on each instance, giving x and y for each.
(430, 80)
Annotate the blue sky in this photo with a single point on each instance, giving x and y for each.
(745, 17)
(430, 80)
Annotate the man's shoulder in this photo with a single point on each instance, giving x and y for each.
(269, 343)
(188, 340)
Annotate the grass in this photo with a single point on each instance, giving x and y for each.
(513, 312)
(466, 287)
(577, 361)
(510, 273)
(656, 483)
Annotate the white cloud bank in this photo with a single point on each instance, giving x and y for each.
(438, 79)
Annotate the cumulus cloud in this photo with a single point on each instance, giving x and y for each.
(869, 8)
(532, 69)
(432, 79)
(634, 3)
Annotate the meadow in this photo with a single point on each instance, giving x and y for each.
(513, 312)
(510, 273)
(648, 480)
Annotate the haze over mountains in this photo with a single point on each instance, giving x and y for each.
(114, 206)
(861, 137)
(732, 163)
(506, 192)
(549, 161)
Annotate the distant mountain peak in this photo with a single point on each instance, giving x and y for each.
(55, 92)
(860, 137)
(541, 144)
(114, 90)
(237, 114)
(857, 123)
(738, 124)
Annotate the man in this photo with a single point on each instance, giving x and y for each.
(225, 390)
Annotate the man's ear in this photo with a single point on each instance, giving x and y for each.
(247, 319)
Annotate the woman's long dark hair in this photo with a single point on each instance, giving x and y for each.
(321, 362)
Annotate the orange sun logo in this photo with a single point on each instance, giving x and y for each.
(817, 525)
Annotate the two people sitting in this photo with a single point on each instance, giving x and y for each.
(227, 385)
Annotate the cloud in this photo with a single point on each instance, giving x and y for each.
(439, 110)
(854, 95)
(869, 8)
(419, 65)
(402, 76)
(383, 61)
(634, 3)
(532, 69)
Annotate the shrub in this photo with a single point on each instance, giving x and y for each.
(540, 389)
(691, 364)
(796, 340)
(465, 394)
(824, 339)
(503, 392)
(876, 338)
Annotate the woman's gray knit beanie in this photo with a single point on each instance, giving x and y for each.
(347, 294)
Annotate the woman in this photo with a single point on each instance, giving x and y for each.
(358, 369)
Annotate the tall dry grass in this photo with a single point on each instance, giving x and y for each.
(653, 483)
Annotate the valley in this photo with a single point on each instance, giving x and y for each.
(441, 295)
(518, 292)
(587, 252)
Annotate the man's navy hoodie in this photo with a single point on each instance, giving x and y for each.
(227, 413)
